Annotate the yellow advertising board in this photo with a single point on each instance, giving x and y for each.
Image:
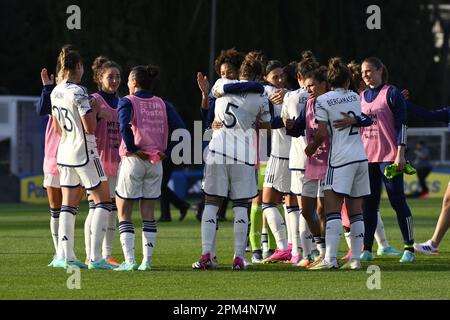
(437, 184)
(31, 190)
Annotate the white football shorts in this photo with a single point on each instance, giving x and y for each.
(278, 175)
(139, 179)
(351, 180)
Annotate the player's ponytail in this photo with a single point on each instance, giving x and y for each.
(144, 76)
(338, 73)
(96, 68)
(68, 59)
(251, 68)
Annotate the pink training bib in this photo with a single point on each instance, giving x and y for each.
(51, 148)
(108, 139)
(316, 166)
(380, 138)
(150, 127)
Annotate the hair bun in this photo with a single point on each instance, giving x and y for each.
(307, 55)
(98, 62)
(335, 62)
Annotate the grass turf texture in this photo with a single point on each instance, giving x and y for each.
(26, 248)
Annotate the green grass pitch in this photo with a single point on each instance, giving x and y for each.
(26, 248)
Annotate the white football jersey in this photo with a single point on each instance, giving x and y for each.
(69, 103)
(346, 145)
(238, 114)
(293, 103)
(281, 142)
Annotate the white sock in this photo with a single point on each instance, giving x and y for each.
(264, 239)
(305, 236)
(348, 240)
(126, 230)
(240, 231)
(293, 224)
(98, 229)
(286, 220)
(277, 225)
(380, 234)
(297, 232)
(67, 231)
(213, 247)
(109, 236)
(87, 230)
(149, 233)
(60, 250)
(333, 235)
(209, 220)
(356, 235)
(54, 226)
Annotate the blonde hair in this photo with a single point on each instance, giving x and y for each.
(68, 59)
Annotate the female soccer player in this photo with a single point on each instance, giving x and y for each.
(384, 248)
(227, 67)
(432, 245)
(145, 124)
(107, 78)
(277, 181)
(347, 175)
(228, 172)
(315, 82)
(78, 160)
(294, 104)
(384, 143)
(51, 172)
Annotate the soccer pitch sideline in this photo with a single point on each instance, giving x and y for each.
(26, 248)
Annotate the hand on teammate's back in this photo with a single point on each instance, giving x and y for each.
(289, 123)
(217, 125)
(278, 96)
(345, 122)
(46, 80)
(310, 149)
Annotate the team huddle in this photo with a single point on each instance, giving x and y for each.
(330, 131)
(333, 130)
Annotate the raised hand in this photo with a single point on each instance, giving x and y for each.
(203, 83)
(46, 80)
